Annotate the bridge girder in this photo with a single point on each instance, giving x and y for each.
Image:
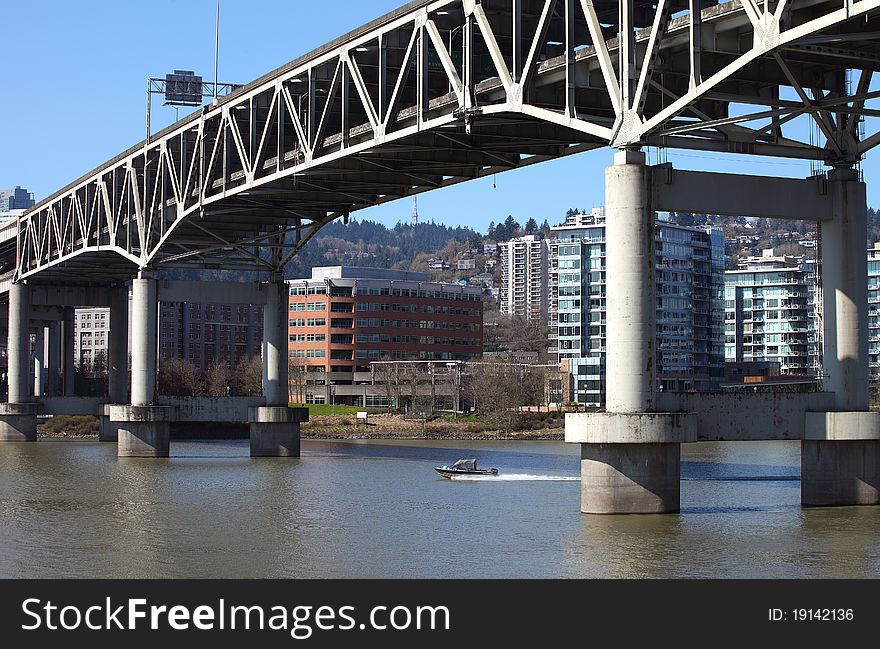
(444, 91)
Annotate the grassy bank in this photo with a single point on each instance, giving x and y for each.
(535, 426)
(380, 425)
(70, 427)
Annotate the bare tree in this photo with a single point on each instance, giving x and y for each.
(387, 376)
(218, 379)
(517, 333)
(296, 378)
(497, 390)
(180, 377)
(248, 377)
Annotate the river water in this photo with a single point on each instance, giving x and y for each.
(377, 509)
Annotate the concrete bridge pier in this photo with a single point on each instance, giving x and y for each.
(274, 428)
(840, 454)
(67, 361)
(117, 369)
(630, 455)
(18, 421)
(39, 370)
(144, 429)
(53, 376)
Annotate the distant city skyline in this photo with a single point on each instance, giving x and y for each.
(100, 83)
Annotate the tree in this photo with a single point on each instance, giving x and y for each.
(517, 333)
(179, 377)
(218, 379)
(248, 377)
(545, 228)
(296, 378)
(386, 375)
(495, 392)
(511, 227)
(531, 226)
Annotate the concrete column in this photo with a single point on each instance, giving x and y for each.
(275, 339)
(68, 360)
(118, 357)
(630, 271)
(143, 340)
(54, 355)
(18, 422)
(275, 428)
(845, 292)
(630, 454)
(39, 373)
(19, 344)
(840, 454)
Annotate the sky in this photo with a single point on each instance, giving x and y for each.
(74, 96)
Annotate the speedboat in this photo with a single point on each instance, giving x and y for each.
(463, 467)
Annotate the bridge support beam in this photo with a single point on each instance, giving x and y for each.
(53, 378)
(18, 421)
(840, 454)
(68, 361)
(118, 356)
(275, 429)
(39, 369)
(144, 429)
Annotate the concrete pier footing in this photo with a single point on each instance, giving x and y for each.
(108, 430)
(18, 422)
(840, 459)
(143, 431)
(630, 463)
(275, 431)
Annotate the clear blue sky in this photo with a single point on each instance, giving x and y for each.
(74, 76)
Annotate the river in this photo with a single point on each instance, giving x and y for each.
(377, 509)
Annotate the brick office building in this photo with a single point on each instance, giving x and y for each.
(343, 318)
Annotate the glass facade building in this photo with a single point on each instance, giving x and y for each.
(690, 308)
(771, 314)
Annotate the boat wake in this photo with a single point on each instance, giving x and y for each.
(515, 477)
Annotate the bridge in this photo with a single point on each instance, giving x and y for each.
(444, 91)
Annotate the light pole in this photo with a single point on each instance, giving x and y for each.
(216, 50)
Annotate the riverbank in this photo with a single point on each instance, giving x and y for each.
(393, 426)
(531, 427)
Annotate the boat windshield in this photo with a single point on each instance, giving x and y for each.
(465, 465)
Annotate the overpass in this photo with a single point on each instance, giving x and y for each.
(444, 91)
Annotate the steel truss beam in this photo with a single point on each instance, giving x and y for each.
(444, 91)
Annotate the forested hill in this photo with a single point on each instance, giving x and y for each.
(366, 243)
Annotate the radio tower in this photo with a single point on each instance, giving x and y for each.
(415, 214)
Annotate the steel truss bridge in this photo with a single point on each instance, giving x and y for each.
(440, 92)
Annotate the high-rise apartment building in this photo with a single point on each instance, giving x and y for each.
(200, 333)
(689, 276)
(207, 333)
(91, 334)
(771, 314)
(524, 265)
(874, 308)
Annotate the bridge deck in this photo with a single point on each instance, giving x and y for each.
(441, 92)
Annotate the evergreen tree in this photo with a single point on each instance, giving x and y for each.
(531, 226)
(545, 228)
